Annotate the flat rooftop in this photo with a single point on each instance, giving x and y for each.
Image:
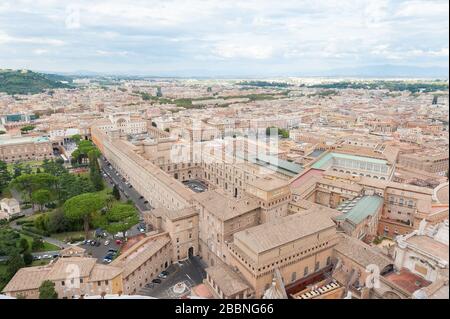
(284, 230)
(430, 245)
(360, 208)
(330, 156)
(407, 280)
(22, 140)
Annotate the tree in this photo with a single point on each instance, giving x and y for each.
(58, 223)
(120, 218)
(76, 138)
(47, 290)
(42, 222)
(37, 244)
(94, 170)
(27, 128)
(17, 170)
(55, 168)
(116, 192)
(9, 240)
(5, 176)
(27, 183)
(24, 245)
(15, 262)
(27, 169)
(41, 197)
(83, 207)
(27, 258)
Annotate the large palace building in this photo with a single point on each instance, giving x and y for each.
(255, 220)
(255, 223)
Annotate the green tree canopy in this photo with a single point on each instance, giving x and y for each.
(47, 290)
(116, 192)
(120, 218)
(76, 138)
(5, 176)
(41, 197)
(15, 262)
(27, 258)
(27, 183)
(83, 207)
(23, 244)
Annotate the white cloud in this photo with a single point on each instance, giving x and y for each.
(5, 38)
(246, 51)
(297, 33)
(40, 51)
(423, 9)
(111, 53)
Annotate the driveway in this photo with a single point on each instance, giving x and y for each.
(126, 191)
(191, 272)
(100, 251)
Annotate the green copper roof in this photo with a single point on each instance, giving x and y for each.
(324, 160)
(360, 208)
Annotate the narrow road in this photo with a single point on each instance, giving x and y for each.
(50, 240)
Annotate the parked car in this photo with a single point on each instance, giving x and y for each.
(106, 242)
(162, 276)
(156, 281)
(150, 285)
(118, 242)
(165, 273)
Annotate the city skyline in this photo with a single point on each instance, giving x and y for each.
(232, 39)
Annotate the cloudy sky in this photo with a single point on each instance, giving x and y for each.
(222, 37)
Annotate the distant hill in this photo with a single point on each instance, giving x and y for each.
(29, 82)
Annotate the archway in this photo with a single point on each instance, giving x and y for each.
(190, 252)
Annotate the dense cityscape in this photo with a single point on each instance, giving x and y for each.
(300, 188)
(224, 158)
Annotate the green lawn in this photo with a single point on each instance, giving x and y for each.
(63, 236)
(2, 269)
(47, 246)
(34, 165)
(41, 262)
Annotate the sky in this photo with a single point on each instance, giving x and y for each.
(223, 37)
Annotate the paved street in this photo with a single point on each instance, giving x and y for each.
(100, 251)
(125, 191)
(50, 240)
(190, 272)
